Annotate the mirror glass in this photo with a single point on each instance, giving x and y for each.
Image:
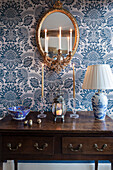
(52, 23)
(57, 36)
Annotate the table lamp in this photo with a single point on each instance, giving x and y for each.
(99, 77)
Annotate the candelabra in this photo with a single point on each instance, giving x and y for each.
(57, 62)
(42, 115)
(74, 114)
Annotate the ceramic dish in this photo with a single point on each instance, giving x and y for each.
(19, 112)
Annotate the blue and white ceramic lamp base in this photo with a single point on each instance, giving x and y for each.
(99, 104)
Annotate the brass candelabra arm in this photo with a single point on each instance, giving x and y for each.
(58, 62)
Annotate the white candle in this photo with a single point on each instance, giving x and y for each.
(59, 37)
(73, 82)
(42, 80)
(68, 44)
(70, 39)
(47, 44)
(45, 40)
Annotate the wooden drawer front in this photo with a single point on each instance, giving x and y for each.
(28, 145)
(87, 145)
(42, 145)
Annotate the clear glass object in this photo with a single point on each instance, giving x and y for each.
(42, 115)
(3, 111)
(74, 115)
(2, 114)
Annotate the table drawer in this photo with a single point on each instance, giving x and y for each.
(87, 145)
(27, 145)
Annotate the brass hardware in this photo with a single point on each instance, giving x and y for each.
(36, 145)
(39, 121)
(57, 4)
(14, 149)
(26, 122)
(100, 149)
(75, 149)
(57, 62)
(30, 122)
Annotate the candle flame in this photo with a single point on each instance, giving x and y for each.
(70, 29)
(45, 30)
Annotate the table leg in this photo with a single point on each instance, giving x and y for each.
(1, 165)
(111, 165)
(96, 165)
(15, 165)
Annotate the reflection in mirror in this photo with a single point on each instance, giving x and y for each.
(57, 37)
(51, 24)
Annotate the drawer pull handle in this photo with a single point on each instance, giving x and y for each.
(100, 149)
(75, 149)
(14, 149)
(36, 145)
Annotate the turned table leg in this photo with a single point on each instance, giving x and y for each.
(96, 165)
(15, 165)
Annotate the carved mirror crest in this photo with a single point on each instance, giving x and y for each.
(57, 37)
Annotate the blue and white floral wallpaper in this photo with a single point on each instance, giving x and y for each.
(20, 61)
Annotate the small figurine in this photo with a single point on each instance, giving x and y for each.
(39, 121)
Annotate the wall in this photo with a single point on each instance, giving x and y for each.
(20, 61)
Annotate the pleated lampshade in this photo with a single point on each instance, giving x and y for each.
(98, 77)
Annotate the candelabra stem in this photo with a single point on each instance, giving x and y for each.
(42, 115)
(74, 115)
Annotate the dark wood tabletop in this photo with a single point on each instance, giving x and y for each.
(84, 138)
(86, 123)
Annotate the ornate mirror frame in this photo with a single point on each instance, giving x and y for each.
(57, 64)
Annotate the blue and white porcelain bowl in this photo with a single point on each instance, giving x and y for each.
(19, 112)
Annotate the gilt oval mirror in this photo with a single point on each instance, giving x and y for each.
(57, 37)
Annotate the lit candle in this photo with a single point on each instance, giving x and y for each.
(42, 80)
(70, 39)
(68, 44)
(59, 37)
(59, 109)
(59, 112)
(45, 40)
(73, 82)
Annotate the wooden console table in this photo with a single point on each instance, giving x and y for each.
(76, 139)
